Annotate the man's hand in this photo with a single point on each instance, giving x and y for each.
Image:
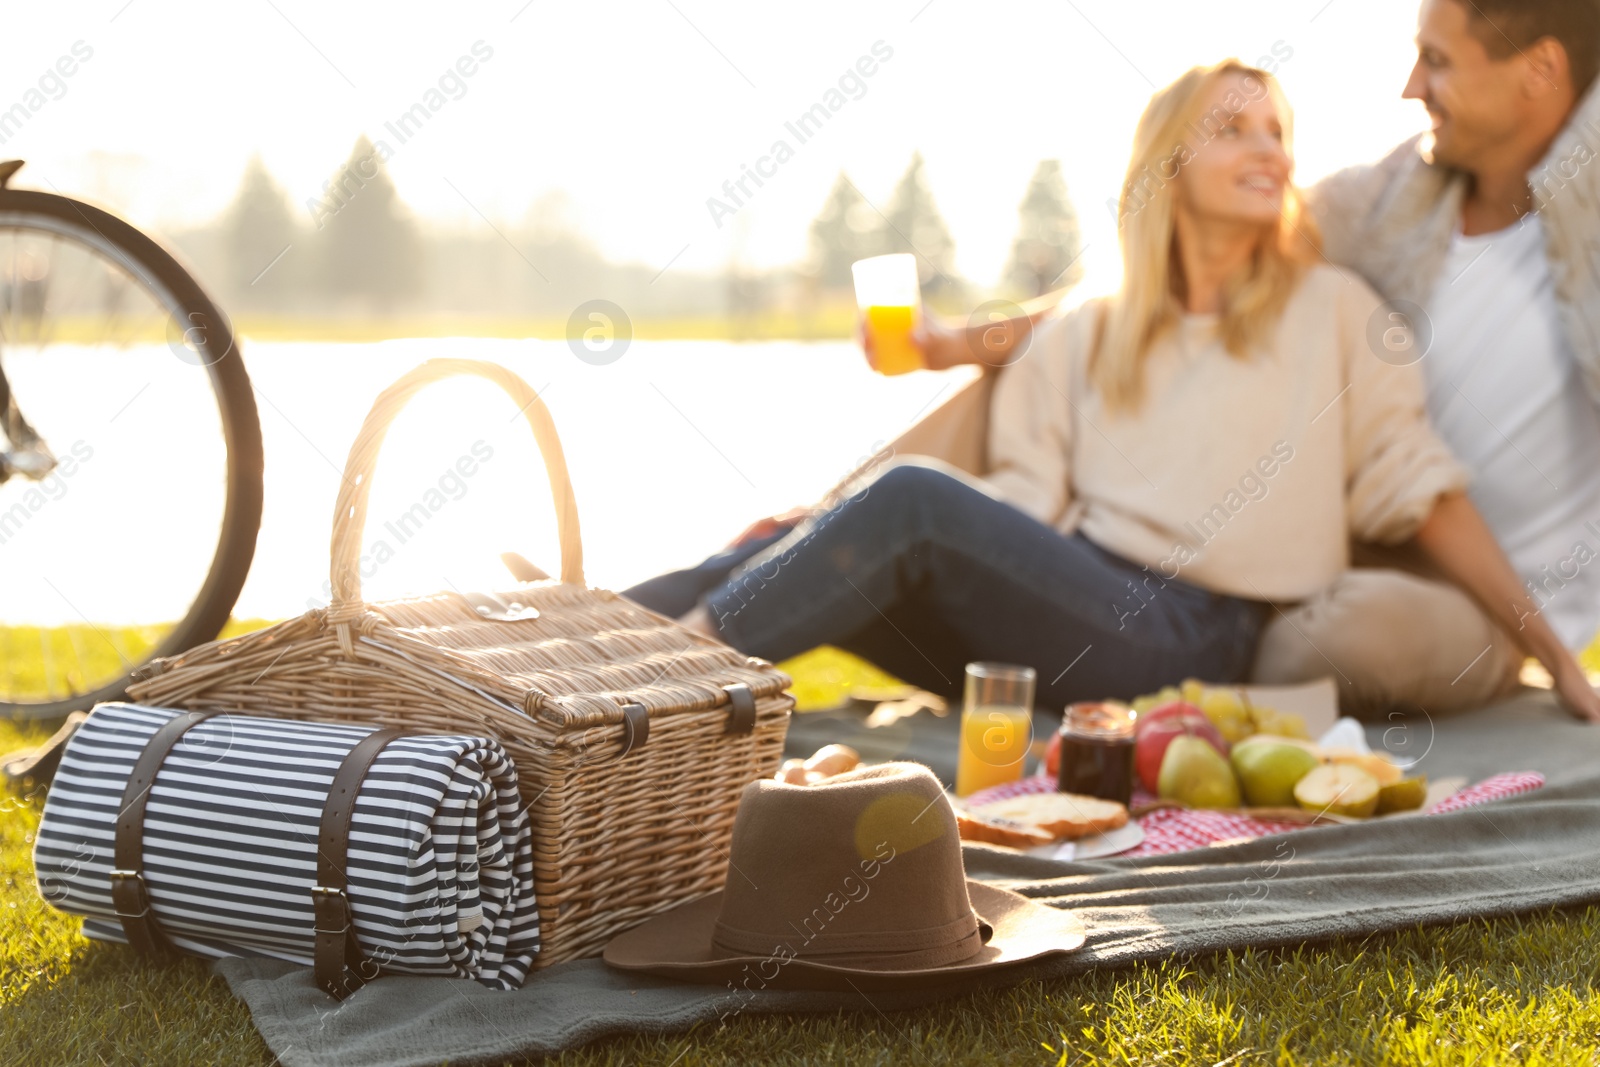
(1577, 695)
(1457, 539)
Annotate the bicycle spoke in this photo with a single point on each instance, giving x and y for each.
(7, 662)
(56, 259)
(10, 291)
(77, 674)
(46, 664)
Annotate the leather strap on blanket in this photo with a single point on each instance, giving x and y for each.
(341, 968)
(129, 895)
(339, 965)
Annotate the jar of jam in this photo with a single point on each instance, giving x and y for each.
(1097, 752)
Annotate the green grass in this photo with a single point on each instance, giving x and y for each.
(55, 661)
(833, 321)
(38, 663)
(1519, 990)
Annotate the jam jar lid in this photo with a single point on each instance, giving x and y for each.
(1098, 719)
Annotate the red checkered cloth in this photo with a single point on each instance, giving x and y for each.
(1168, 830)
(1497, 788)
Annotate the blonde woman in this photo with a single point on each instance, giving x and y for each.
(1166, 462)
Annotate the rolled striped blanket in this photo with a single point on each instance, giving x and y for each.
(440, 864)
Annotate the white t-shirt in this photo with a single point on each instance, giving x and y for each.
(1504, 393)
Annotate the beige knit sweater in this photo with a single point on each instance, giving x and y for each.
(1242, 476)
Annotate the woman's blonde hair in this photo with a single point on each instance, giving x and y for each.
(1149, 301)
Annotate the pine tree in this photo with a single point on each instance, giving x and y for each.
(842, 233)
(915, 225)
(370, 246)
(1044, 255)
(259, 234)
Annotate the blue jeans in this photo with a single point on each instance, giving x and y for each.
(923, 571)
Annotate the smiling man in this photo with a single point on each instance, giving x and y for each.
(1482, 233)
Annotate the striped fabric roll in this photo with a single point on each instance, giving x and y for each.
(440, 867)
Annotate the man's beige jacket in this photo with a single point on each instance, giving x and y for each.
(1392, 221)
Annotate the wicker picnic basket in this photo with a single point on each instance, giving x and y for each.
(633, 736)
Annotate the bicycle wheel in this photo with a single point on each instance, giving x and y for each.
(137, 539)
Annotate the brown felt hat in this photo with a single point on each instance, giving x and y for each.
(853, 883)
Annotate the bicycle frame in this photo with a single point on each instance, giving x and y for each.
(29, 457)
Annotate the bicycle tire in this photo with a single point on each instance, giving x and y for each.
(240, 421)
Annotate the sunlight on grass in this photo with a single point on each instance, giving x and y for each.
(825, 676)
(833, 322)
(54, 662)
(1590, 659)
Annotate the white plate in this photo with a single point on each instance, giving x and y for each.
(1094, 846)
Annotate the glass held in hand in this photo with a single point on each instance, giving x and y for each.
(889, 298)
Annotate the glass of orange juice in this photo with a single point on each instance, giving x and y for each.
(890, 299)
(996, 725)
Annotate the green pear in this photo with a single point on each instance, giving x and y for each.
(1196, 775)
(1340, 789)
(1270, 767)
(1407, 794)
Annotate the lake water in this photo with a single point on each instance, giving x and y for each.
(673, 449)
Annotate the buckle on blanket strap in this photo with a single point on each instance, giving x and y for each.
(332, 910)
(340, 968)
(130, 899)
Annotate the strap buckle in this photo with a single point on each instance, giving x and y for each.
(130, 897)
(332, 909)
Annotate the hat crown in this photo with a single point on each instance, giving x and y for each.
(863, 870)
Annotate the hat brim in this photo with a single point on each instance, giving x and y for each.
(677, 944)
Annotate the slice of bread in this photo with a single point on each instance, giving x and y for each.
(1064, 816)
(974, 827)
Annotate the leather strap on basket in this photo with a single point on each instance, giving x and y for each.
(350, 513)
(340, 967)
(635, 728)
(129, 894)
(741, 708)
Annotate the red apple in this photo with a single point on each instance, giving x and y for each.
(1052, 755)
(1157, 731)
(1169, 710)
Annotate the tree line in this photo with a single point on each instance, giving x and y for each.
(358, 251)
(1044, 253)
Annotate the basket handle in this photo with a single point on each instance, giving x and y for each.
(350, 514)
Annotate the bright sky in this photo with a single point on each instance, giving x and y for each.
(639, 111)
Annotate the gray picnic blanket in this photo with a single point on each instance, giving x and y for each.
(1531, 851)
